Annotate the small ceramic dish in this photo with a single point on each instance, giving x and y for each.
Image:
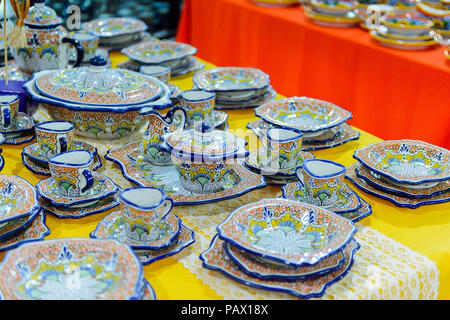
(217, 119)
(399, 201)
(176, 92)
(383, 31)
(103, 187)
(406, 161)
(406, 44)
(102, 269)
(18, 198)
(340, 7)
(286, 231)
(24, 123)
(348, 200)
(215, 258)
(267, 97)
(115, 30)
(302, 113)
(406, 24)
(12, 227)
(350, 19)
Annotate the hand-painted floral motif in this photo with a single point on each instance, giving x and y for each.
(231, 78)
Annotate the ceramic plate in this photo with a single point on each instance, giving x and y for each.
(19, 138)
(193, 65)
(287, 231)
(119, 45)
(269, 96)
(149, 293)
(406, 161)
(361, 213)
(302, 113)
(351, 19)
(14, 72)
(113, 227)
(11, 227)
(348, 199)
(396, 199)
(383, 32)
(277, 181)
(112, 27)
(24, 123)
(18, 198)
(102, 270)
(216, 259)
(166, 177)
(406, 44)
(103, 187)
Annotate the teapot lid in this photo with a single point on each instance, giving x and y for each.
(42, 16)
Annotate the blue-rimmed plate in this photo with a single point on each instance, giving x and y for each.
(11, 227)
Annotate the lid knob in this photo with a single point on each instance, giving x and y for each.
(203, 127)
(97, 61)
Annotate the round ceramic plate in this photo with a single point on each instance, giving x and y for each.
(406, 44)
(351, 19)
(269, 96)
(112, 27)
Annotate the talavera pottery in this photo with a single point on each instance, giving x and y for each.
(406, 161)
(286, 231)
(143, 209)
(12, 227)
(98, 112)
(54, 137)
(439, 14)
(339, 7)
(23, 124)
(161, 72)
(382, 31)
(18, 198)
(398, 200)
(302, 113)
(115, 30)
(239, 181)
(103, 187)
(267, 97)
(276, 3)
(406, 44)
(113, 226)
(361, 213)
(217, 120)
(406, 24)
(88, 41)
(9, 106)
(158, 125)
(47, 42)
(283, 147)
(256, 267)
(378, 182)
(36, 231)
(204, 157)
(19, 138)
(348, 200)
(370, 14)
(198, 105)
(102, 269)
(321, 181)
(215, 258)
(149, 293)
(350, 19)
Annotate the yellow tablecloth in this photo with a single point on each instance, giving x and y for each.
(394, 239)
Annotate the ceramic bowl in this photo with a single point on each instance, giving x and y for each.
(71, 269)
(406, 24)
(160, 72)
(438, 13)
(339, 7)
(115, 30)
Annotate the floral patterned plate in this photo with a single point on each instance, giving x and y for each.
(11, 227)
(101, 269)
(113, 27)
(361, 213)
(103, 187)
(215, 258)
(396, 199)
(287, 231)
(406, 161)
(241, 180)
(348, 199)
(113, 227)
(24, 123)
(269, 96)
(19, 138)
(192, 65)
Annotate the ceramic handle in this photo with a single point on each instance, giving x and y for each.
(300, 177)
(89, 180)
(166, 207)
(6, 119)
(62, 144)
(78, 47)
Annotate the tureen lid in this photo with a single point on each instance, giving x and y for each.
(99, 85)
(41, 15)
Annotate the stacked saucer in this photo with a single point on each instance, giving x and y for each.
(283, 245)
(17, 127)
(176, 55)
(21, 219)
(335, 14)
(409, 173)
(406, 32)
(322, 123)
(140, 224)
(236, 87)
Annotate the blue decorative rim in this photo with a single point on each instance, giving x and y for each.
(17, 97)
(99, 34)
(292, 276)
(368, 213)
(75, 202)
(136, 206)
(29, 139)
(40, 124)
(386, 174)
(24, 115)
(279, 259)
(259, 286)
(52, 160)
(299, 134)
(2, 161)
(150, 288)
(342, 171)
(6, 235)
(2, 138)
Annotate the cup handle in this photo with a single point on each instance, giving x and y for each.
(299, 174)
(62, 144)
(166, 208)
(6, 117)
(89, 180)
(78, 47)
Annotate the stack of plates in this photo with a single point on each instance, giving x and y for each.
(406, 32)
(236, 87)
(73, 269)
(21, 216)
(439, 13)
(283, 245)
(335, 14)
(277, 3)
(409, 173)
(176, 55)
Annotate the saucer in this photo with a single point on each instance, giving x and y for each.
(23, 123)
(351, 19)
(348, 199)
(12, 227)
(406, 44)
(36, 231)
(241, 180)
(269, 96)
(193, 65)
(361, 213)
(113, 227)
(103, 187)
(279, 181)
(215, 258)
(19, 138)
(102, 205)
(395, 199)
(382, 31)
(263, 166)
(176, 91)
(217, 119)
(149, 293)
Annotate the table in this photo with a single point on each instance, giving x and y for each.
(395, 94)
(404, 252)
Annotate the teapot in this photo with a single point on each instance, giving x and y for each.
(47, 44)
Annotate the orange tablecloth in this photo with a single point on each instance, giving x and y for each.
(392, 93)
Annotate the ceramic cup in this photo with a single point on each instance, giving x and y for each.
(198, 105)
(283, 147)
(160, 72)
(72, 172)
(88, 41)
(54, 137)
(9, 106)
(142, 209)
(322, 180)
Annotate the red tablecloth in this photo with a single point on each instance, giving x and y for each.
(392, 93)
